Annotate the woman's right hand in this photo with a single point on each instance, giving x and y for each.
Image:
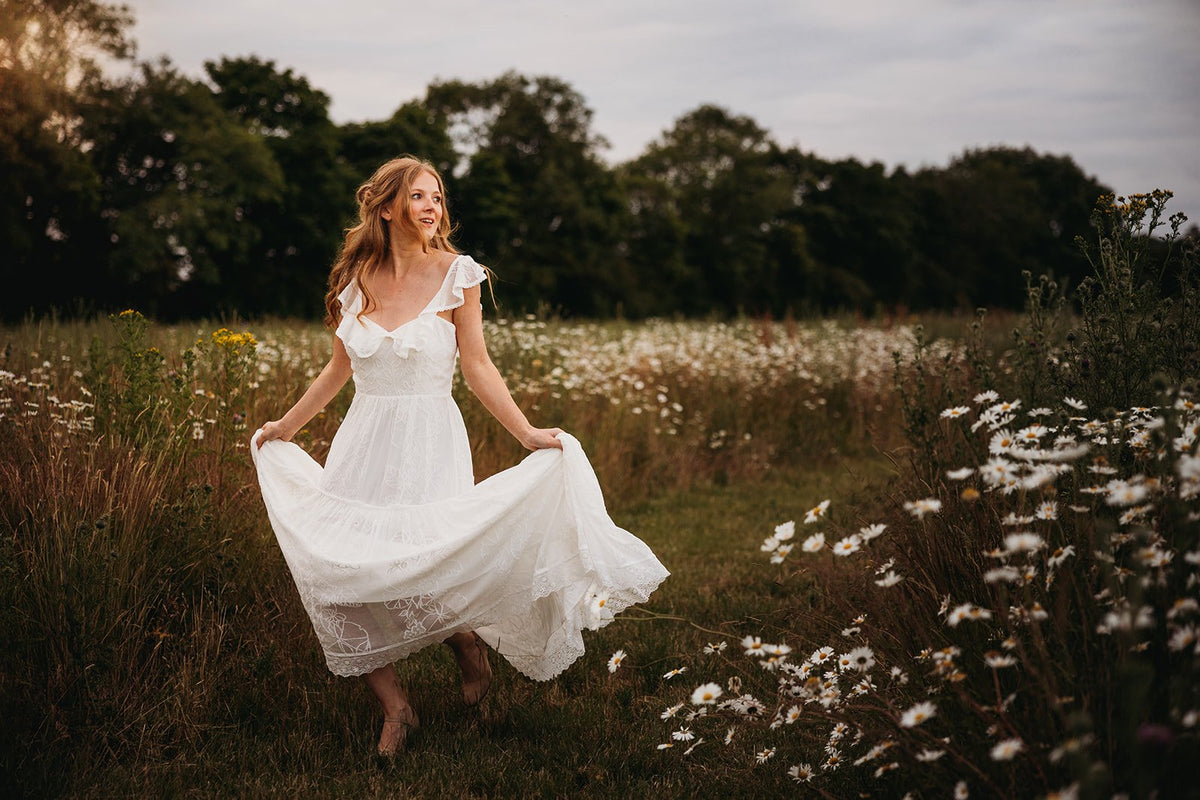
(275, 430)
(541, 439)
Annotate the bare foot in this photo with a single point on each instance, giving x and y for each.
(471, 653)
(396, 730)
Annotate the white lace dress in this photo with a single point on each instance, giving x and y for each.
(392, 544)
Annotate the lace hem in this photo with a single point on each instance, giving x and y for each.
(543, 667)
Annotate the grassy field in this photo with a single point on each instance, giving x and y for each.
(588, 733)
(160, 644)
(896, 567)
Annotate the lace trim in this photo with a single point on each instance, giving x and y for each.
(467, 273)
(544, 667)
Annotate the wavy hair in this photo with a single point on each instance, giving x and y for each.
(368, 245)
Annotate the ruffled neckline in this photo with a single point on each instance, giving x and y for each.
(363, 336)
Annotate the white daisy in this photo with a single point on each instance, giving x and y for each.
(706, 694)
(672, 673)
(1005, 574)
(813, 543)
(1060, 555)
(1023, 542)
(889, 580)
(816, 513)
(785, 531)
(1005, 407)
(861, 659)
(847, 546)
(998, 660)
(1122, 493)
(870, 532)
(996, 471)
(1047, 510)
(967, 611)
(821, 655)
(614, 661)
(599, 608)
(918, 714)
(1005, 750)
(919, 508)
(801, 773)
(1182, 638)
(781, 553)
(1001, 442)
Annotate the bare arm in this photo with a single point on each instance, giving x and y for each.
(326, 386)
(484, 379)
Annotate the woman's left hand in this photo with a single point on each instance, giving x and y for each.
(541, 438)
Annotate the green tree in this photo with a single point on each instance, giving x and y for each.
(50, 55)
(726, 183)
(993, 213)
(412, 129)
(653, 236)
(177, 175)
(859, 222)
(300, 224)
(535, 201)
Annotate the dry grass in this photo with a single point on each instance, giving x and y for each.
(156, 642)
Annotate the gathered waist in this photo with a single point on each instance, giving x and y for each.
(407, 396)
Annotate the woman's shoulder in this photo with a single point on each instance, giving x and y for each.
(449, 260)
(460, 267)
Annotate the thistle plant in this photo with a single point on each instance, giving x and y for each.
(1137, 328)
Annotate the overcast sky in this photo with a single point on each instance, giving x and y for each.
(1113, 83)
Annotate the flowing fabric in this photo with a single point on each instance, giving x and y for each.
(393, 546)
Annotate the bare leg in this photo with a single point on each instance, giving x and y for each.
(471, 654)
(398, 715)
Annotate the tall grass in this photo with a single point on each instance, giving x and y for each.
(145, 604)
(1017, 616)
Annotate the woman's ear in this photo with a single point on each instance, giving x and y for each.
(386, 213)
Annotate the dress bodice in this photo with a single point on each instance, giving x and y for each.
(413, 359)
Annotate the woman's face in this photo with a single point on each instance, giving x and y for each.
(423, 205)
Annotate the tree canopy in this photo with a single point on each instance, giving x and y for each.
(229, 193)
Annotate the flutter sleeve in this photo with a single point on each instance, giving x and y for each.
(467, 273)
(351, 300)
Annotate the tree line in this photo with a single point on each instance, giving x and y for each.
(228, 194)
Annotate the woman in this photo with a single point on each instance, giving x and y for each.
(392, 545)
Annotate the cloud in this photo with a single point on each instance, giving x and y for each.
(1109, 82)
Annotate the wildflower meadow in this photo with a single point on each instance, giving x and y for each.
(911, 557)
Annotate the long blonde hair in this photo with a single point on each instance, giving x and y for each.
(368, 245)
